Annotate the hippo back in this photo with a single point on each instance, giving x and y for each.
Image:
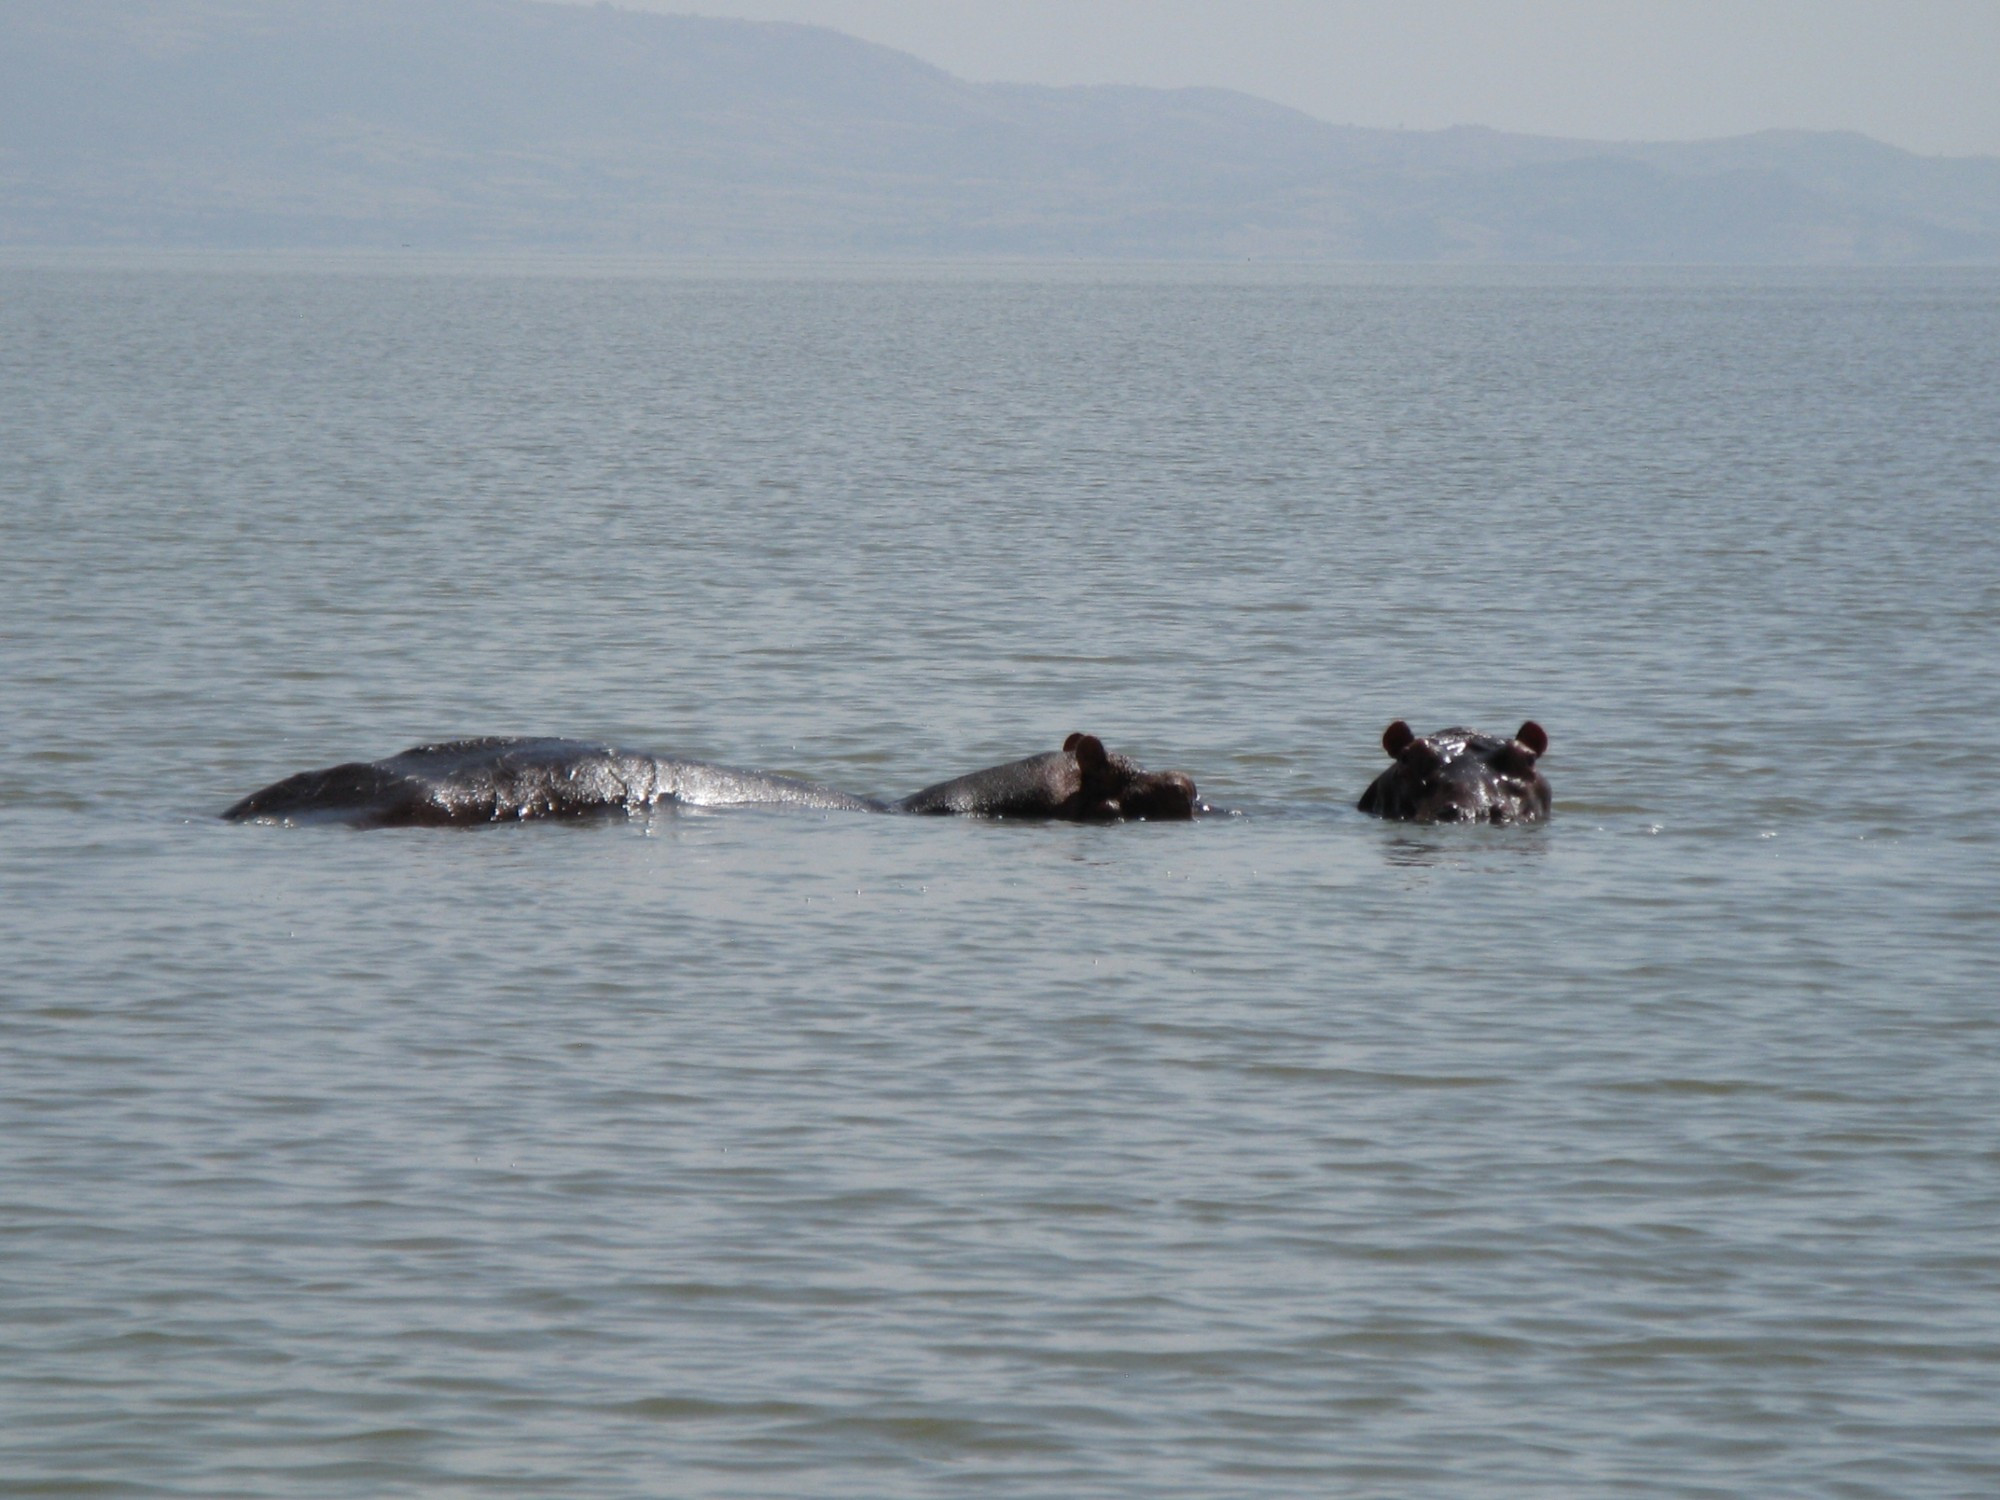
(464, 782)
(1031, 788)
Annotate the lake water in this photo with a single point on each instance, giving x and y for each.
(1655, 1151)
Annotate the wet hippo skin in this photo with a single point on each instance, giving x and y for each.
(1461, 776)
(464, 782)
(467, 782)
(1080, 783)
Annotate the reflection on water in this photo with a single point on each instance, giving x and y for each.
(1484, 845)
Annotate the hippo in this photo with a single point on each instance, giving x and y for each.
(1459, 776)
(462, 782)
(1080, 783)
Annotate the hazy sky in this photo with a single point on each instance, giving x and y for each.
(1924, 74)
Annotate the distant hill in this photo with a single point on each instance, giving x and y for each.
(511, 124)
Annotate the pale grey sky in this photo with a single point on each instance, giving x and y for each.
(1923, 74)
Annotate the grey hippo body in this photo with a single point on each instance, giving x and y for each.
(461, 783)
(464, 782)
(1461, 776)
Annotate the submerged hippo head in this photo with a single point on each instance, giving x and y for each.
(1458, 776)
(1080, 783)
(1112, 787)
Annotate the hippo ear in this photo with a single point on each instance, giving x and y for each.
(1534, 737)
(1396, 738)
(1089, 751)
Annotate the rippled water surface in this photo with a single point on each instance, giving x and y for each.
(1651, 1152)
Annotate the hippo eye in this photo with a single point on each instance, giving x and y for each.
(1421, 757)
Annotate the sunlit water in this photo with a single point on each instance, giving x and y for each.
(1653, 1152)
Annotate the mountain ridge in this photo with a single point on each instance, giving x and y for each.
(521, 125)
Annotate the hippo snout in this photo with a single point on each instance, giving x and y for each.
(1160, 795)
